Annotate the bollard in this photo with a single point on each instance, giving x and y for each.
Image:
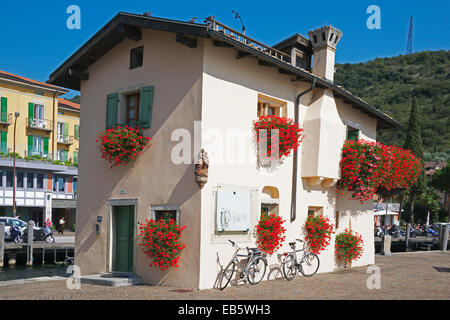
(30, 243)
(408, 235)
(2, 244)
(443, 237)
(386, 245)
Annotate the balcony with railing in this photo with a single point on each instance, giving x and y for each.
(5, 118)
(247, 41)
(40, 124)
(63, 139)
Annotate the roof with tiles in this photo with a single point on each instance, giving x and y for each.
(27, 81)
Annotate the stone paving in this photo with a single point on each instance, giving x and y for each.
(403, 276)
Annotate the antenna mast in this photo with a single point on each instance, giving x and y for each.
(237, 16)
(409, 45)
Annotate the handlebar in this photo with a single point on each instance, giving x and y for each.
(232, 243)
(299, 240)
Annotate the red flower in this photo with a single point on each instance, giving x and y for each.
(120, 145)
(270, 233)
(289, 133)
(163, 247)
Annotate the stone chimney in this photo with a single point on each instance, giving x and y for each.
(324, 41)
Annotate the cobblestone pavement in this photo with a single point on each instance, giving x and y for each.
(403, 276)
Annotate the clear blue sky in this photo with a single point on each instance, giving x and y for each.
(35, 39)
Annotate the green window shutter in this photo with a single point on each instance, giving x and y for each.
(65, 155)
(30, 145)
(66, 129)
(77, 128)
(111, 110)
(30, 113)
(75, 157)
(146, 107)
(4, 109)
(3, 142)
(45, 146)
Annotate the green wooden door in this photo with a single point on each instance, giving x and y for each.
(124, 238)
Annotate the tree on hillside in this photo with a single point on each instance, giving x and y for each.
(413, 142)
(441, 179)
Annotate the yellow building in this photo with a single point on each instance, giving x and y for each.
(47, 126)
(46, 144)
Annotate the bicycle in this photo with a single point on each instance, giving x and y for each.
(253, 272)
(308, 266)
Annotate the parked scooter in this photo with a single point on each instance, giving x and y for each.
(394, 231)
(15, 234)
(379, 232)
(40, 234)
(429, 232)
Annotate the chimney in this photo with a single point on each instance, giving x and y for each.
(324, 42)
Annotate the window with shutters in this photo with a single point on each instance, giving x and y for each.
(4, 144)
(133, 107)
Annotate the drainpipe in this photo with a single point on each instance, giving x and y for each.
(295, 169)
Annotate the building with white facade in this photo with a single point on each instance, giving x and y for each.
(210, 81)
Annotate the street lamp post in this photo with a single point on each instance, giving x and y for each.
(16, 115)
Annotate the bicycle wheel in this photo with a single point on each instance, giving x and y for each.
(309, 264)
(226, 276)
(256, 270)
(289, 268)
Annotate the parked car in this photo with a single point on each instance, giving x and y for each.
(9, 222)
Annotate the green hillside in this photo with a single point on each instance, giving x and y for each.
(389, 83)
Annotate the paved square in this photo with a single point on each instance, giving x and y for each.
(403, 276)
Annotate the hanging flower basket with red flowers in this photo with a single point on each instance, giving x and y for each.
(121, 144)
(289, 133)
(318, 231)
(160, 241)
(371, 167)
(270, 233)
(349, 246)
(400, 167)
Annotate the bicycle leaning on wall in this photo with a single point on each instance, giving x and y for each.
(307, 265)
(252, 267)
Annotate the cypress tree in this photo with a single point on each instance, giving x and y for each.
(413, 142)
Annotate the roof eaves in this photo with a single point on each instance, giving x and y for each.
(388, 122)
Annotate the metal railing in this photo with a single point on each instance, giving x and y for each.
(5, 118)
(41, 124)
(64, 139)
(249, 42)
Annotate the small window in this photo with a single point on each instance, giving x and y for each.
(30, 180)
(268, 106)
(9, 179)
(61, 184)
(19, 183)
(40, 181)
(166, 215)
(136, 57)
(315, 211)
(75, 185)
(132, 109)
(352, 133)
(165, 212)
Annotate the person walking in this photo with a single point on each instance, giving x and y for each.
(62, 222)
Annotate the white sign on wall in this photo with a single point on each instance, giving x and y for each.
(233, 211)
